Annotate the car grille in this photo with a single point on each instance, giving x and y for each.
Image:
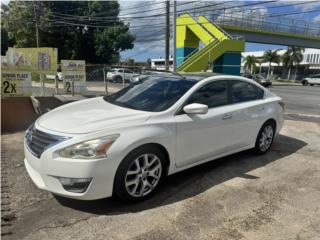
(38, 141)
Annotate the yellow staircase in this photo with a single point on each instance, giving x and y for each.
(216, 42)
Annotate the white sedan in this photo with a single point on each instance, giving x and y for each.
(126, 143)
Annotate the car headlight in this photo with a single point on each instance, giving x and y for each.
(92, 149)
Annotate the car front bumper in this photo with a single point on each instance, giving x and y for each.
(44, 172)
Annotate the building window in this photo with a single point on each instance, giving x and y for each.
(308, 58)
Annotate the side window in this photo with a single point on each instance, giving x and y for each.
(212, 94)
(127, 71)
(242, 91)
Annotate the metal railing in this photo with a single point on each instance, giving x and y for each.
(268, 23)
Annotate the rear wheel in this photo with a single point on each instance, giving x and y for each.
(140, 174)
(305, 83)
(265, 137)
(118, 79)
(311, 84)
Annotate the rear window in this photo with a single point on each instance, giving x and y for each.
(243, 91)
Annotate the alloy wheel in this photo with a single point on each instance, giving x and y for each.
(143, 175)
(266, 138)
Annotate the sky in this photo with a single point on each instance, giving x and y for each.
(146, 19)
(150, 35)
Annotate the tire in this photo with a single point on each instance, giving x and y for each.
(265, 137)
(305, 83)
(118, 79)
(311, 84)
(135, 181)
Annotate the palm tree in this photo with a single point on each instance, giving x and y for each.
(271, 57)
(287, 62)
(250, 63)
(296, 57)
(260, 61)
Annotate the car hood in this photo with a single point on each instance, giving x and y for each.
(90, 115)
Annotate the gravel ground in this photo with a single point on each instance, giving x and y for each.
(243, 196)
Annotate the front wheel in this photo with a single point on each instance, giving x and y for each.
(140, 173)
(305, 83)
(265, 138)
(118, 79)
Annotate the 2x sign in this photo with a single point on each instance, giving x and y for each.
(16, 83)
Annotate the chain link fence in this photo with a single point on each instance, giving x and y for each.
(100, 80)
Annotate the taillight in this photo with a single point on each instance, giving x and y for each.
(281, 103)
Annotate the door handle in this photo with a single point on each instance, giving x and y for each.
(227, 116)
(260, 108)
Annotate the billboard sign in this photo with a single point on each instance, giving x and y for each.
(42, 60)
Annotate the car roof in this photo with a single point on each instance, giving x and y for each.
(199, 76)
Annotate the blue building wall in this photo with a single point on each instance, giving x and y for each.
(183, 52)
(228, 63)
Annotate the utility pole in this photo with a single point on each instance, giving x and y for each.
(167, 40)
(36, 20)
(174, 35)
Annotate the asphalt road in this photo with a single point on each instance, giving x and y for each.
(299, 99)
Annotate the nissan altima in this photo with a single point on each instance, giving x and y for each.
(125, 144)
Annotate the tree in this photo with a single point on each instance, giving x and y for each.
(6, 41)
(250, 63)
(149, 63)
(293, 56)
(296, 56)
(89, 30)
(260, 61)
(287, 62)
(130, 61)
(271, 57)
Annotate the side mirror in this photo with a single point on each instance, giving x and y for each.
(195, 108)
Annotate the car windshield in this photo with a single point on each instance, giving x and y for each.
(155, 94)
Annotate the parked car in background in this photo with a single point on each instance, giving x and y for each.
(127, 143)
(312, 80)
(259, 79)
(145, 74)
(59, 75)
(120, 74)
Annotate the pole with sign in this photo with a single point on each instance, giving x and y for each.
(74, 76)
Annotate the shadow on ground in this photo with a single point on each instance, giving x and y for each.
(189, 183)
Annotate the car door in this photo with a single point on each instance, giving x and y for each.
(127, 74)
(315, 79)
(201, 136)
(248, 113)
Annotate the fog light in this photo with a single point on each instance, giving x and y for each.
(76, 185)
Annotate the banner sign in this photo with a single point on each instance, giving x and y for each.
(42, 60)
(74, 73)
(16, 83)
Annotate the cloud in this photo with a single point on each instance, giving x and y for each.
(317, 18)
(148, 31)
(234, 14)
